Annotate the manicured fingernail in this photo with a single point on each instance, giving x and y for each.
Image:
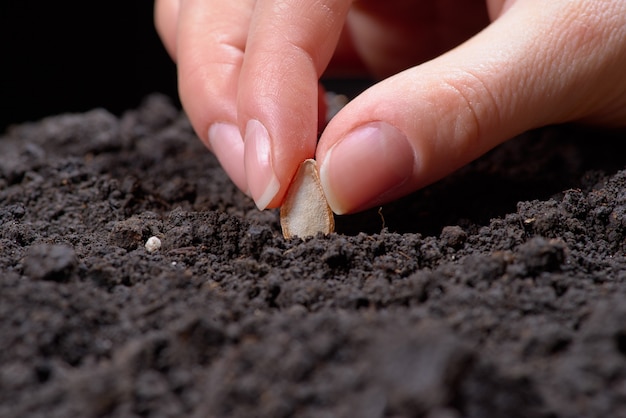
(227, 144)
(262, 181)
(366, 166)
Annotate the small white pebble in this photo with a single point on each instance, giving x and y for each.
(153, 244)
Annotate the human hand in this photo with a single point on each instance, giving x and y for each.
(252, 66)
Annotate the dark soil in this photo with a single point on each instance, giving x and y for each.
(497, 292)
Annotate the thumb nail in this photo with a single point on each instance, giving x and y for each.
(365, 167)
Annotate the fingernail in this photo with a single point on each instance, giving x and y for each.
(262, 181)
(227, 144)
(365, 166)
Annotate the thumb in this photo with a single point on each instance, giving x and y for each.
(540, 63)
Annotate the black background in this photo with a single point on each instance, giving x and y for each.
(73, 56)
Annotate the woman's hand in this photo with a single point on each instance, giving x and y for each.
(249, 71)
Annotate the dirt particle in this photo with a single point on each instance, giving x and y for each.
(540, 254)
(127, 234)
(453, 236)
(133, 232)
(50, 262)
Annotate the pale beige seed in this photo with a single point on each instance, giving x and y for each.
(305, 211)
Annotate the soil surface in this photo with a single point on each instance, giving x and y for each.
(498, 292)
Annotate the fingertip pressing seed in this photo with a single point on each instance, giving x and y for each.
(305, 211)
(153, 244)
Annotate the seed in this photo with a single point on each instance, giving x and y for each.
(153, 244)
(305, 211)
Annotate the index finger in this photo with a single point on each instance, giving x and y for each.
(290, 43)
(210, 49)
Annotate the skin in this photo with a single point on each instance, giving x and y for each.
(457, 79)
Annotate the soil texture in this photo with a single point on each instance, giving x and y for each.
(498, 292)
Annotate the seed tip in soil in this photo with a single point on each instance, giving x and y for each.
(305, 211)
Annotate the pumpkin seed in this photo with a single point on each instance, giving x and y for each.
(305, 211)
